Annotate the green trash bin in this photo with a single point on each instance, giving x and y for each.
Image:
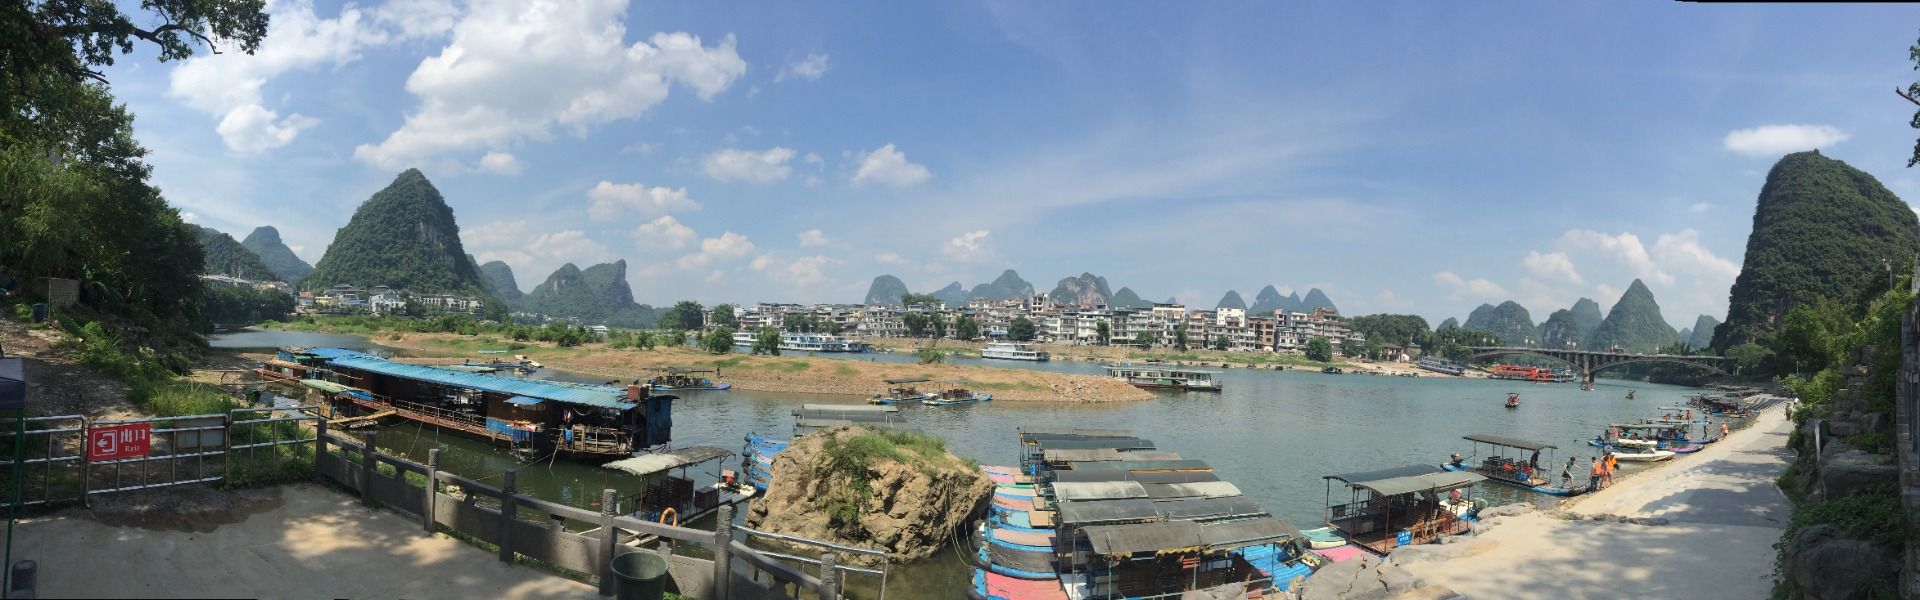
(639, 576)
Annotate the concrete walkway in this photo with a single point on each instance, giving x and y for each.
(308, 542)
(1723, 514)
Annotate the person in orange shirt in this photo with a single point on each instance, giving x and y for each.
(1593, 474)
(1612, 463)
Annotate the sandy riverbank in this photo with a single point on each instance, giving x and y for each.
(1718, 514)
(787, 374)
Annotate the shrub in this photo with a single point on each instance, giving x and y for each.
(930, 356)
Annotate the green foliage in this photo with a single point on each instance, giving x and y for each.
(1821, 230)
(1750, 358)
(404, 237)
(224, 256)
(722, 315)
(1221, 342)
(265, 243)
(1180, 337)
(1874, 515)
(1102, 331)
(1145, 339)
(598, 294)
(1509, 321)
(240, 304)
(1571, 326)
(47, 43)
(1634, 323)
(931, 356)
(1392, 329)
(911, 299)
(1813, 336)
(718, 341)
(767, 342)
(967, 328)
(682, 316)
(1022, 329)
(1320, 349)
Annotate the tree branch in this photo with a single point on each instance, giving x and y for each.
(151, 36)
(1916, 102)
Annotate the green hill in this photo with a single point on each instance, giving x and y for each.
(1820, 229)
(1316, 299)
(498, 280)
(885, 289)
(597, 295)
(1126, 298)
(265, 243)
(1231, 300)
(1509, 321)
(1634, 324)
(404, 237)
(953, 295)
(227, 257)
(1703, 332)
(1267, 301)
(1009, 286)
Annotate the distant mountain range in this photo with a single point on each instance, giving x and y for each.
(498, 280)
(265, 243)
(1634, 323)
(1509, 320)
(1086, 289)
(227, 257)
(597, 294)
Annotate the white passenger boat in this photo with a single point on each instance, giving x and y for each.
(1013, 351)
(1159, 376)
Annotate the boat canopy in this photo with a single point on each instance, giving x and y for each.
(1434, 478)
(1134, 509)
(1102, 454)
(570, 393)
(648, 464)
(1501, 440)
(1646, 425)
(1196, 489)
(1142, 465)
(1142, 477)
(325, 386)
(907, 380)
(1406, 471)
(1187, 536)
(1108, 511)
(1098, 490)
(1095, 443)
(1036, 432)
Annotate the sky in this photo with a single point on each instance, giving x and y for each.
(1404, 157)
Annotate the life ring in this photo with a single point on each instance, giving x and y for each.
(670, 511)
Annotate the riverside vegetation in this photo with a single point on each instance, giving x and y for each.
(902, 492)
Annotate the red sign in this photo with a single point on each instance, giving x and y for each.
(116, 442)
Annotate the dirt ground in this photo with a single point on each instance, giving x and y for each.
(56, 383)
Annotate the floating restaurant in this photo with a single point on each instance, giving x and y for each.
(588, 422)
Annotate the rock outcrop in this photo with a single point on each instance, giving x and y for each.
(901, 493)
(885, 289)
(1086, 290)
(1824, 564)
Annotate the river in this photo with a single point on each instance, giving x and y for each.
(1274, 434)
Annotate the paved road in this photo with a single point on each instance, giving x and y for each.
(1724, 515)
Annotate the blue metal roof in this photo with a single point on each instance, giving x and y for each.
(524, 401)
(570, 393)
(330, 352)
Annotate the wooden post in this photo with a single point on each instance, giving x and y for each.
(319, 447)
(829, 577)
(609, 541)
(427, 519)
(722, 554)
(366, 468)
(86, 466)
(507, 506)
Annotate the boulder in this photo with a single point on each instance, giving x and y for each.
(1826, 566)
(1845, 470)
(1873, 421)
(1843, 428)
(917, 497)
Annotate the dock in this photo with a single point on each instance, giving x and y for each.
(361, 421)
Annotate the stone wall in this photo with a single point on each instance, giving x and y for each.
(1907, 419)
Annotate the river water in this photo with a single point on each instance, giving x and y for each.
(1274, 434)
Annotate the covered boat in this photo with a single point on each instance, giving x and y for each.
(670, 494)
(687, 378)
(901, 391)
(1388, 508)
(1529, 473)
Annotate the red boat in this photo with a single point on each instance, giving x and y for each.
(1513, 400)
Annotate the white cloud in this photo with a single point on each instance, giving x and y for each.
(415, 19)
(640, 148)
(515, 70)
(190, 217)
(1552, 264)
(664, 232)
(761, 262)
(500, 163)
(805, 271)
(810, 68)
(1700, 207)
(728, 246)
(1625, 247)
(571, 245)
(813, 238)
(1475, 288)
(497, 233)
(889, 258)
(888, 166)
(971, 245)
(764, 166)
(1683, 253)
(227, 85)
(1606, 294)
(715, 276)
(813, 159)
(608, 199)
(1774, 140)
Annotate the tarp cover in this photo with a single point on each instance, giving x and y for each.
(1098, 490)
(1107, 511)
(1208, 509)
(1041, 562)
(1142, 477)
(1387, 473)
(1143, 465)
(1102, 454)
(1236, 534)
(1442, 481)
(1143, 537)
(571, 393)
(1115, 443)
(1198, 489)
(647, 464)
(1501, 440)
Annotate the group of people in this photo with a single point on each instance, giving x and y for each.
(1599, 472)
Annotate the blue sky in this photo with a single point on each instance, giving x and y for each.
(1404, 157)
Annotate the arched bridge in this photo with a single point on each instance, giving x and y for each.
(1588, 362)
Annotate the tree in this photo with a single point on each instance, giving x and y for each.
(1145, 339)
(718, 341)
(801, 323)
(966, 328)
(767, 342)
(917, 323)
(1103, 331)
(722, 315)
(931, 356)
(1913, 95)
(939, 325)
(1220, 342)
(1180, 337)
(1022, 329)
(911, 299)
(69, 38)
(1811, 337)
(685, 315)
(1319, 349)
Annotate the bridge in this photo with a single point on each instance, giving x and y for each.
(1588, 362)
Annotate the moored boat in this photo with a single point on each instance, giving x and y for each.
(1531, 474)
(957, 395)
(674, 379)
(1013, 351)
(901, 391)
(1642, 455)
(1163, 376)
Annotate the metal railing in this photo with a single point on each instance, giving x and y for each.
(880, 572)
(55, 467)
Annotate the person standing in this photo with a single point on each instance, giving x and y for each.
(1593, 474)
(1611, 464)
(1566, 474)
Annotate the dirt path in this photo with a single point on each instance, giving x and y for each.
(299, 541)
(57, 384)
(1720, 512)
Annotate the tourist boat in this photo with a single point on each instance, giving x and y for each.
(1530, 473)
(1642, 455)
(672, 379)
(819, 342)
(1523, 373)
(671, 498)
(1513, 399)
(957, 395)
(1013, 351)
(902, 391)
(1602, 442)
(534, 417)
(1389, 508)
(1331, 370)
(1630, 394)
(1084, 515)
(1441, 365)
(1162, 376)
